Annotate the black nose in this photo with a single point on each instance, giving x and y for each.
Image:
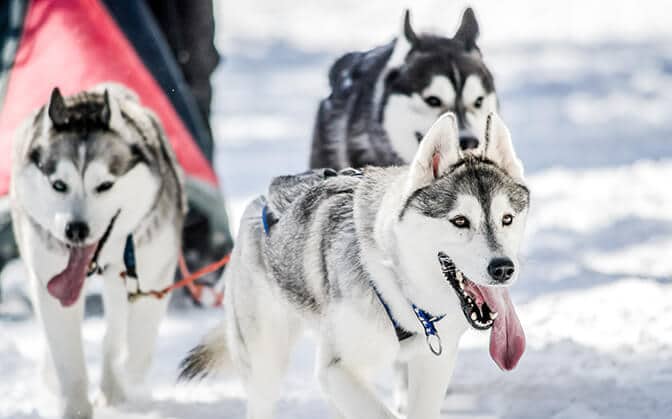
(501, 269)
(469, 142)
(76, 231)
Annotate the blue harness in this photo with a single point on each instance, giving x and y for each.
(426, 320)
(268, 219)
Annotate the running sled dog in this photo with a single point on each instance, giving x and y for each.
(96, 190)
(383, 101)
(384, 265)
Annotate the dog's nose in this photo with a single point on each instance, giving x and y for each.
(501, 269)
(76, 231)
(468, 142)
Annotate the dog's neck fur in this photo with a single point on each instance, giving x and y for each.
(379, 200)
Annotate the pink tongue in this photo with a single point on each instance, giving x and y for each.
(507, 339)
(67, 285)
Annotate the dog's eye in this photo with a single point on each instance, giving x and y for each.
(105, 186)
(507, 219)
(59, 186)
(460, 221)
(433, 101)
(479, 102)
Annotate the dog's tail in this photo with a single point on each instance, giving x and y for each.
(210, 356)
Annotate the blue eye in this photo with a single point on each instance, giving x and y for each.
(59, 186)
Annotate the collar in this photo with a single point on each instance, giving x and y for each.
(426, 321)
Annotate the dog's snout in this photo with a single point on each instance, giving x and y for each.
(76, 231)
(468, 142)
(501, 269)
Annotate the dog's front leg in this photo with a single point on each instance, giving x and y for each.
(348, 393)
(428, 379)
(115, 301)
(63, 328)
(144, 318)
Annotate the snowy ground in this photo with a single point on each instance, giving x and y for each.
(586, 90)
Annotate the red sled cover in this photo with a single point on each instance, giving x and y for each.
(74, 45)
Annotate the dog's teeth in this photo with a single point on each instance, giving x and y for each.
(493, 315)
(461, 285)
(474, 316)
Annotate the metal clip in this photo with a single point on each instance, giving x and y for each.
(434, 344)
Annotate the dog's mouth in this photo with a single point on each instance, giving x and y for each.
(488, 308)
(67, 286)
(478, 313)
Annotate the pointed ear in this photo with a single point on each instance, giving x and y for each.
(111, 112)
(499, 147)
(468, 31)
(404, 43)
(438, 151)
(57, 111)
(106, 112)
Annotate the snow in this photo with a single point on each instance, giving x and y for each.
(586, 88)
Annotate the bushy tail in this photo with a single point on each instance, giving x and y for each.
(210, 356)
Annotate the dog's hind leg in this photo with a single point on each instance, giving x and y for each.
(261, 331)
(63, 327)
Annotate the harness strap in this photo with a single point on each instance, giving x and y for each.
(426, 320)
(94, 268)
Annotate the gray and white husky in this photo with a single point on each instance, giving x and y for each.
(384, 265)
(96, 190)
(383, 101)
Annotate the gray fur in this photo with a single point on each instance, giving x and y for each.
(81, 120)
(349, 130)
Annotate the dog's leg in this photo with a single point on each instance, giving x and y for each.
(347, 392)
(144, 318)
(63, 328)
(428, 379)
(114, 298)
(400, 386)
(268, 336)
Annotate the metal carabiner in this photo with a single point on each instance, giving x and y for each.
(435, 344)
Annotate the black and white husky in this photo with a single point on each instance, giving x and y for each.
(384, 265)
(383, 101)
(96, 190)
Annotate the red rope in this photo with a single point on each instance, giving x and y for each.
(189, 279)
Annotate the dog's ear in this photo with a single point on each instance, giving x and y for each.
(499, 147)
(404, 43)
(112, 112)
(468, 31)
(409, 33)
(438, 151)
(57, 110)
(106, 111)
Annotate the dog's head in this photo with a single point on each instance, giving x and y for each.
(428, 75)
(466, 213)
(86, 161)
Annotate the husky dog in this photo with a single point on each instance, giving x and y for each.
(382, 101)
(96, 190)
(385, 265)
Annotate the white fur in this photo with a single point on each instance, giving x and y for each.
(356, 339)
(131, 327)
(403, 115)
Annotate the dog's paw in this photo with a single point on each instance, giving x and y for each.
(111, 393)
(78, 410)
